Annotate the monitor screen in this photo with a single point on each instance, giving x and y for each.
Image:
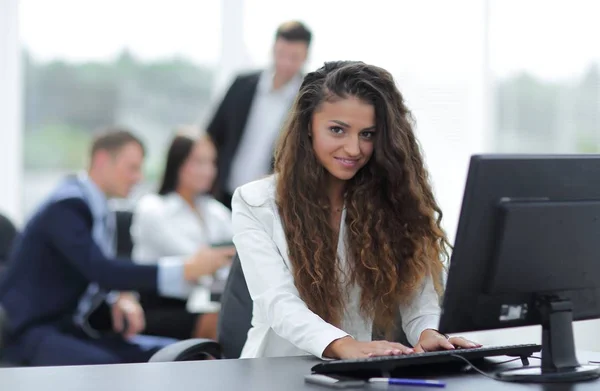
(529, 227)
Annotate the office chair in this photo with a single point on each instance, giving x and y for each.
(235, 320)
(3, 323)
(124, 241)
(3, 327)
(8, 233)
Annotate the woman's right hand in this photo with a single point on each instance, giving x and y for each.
(207, 261)
(349, 348)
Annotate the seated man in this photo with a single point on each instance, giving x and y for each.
(63, 269)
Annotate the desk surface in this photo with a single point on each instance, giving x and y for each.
(228, 375)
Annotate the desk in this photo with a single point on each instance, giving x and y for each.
(275, 374)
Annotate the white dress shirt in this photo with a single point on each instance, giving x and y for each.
(167, 226)
(282, 324)
(269, 109)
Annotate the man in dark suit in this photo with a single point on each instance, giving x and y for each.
(247, 122)
(62, 271)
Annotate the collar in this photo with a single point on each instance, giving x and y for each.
(97, 199)
(174, 203)
(265, 83)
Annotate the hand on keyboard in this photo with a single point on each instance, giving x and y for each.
(432, 340)
(388, 364)
(349, 348)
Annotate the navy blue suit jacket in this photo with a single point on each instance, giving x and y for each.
(51, 265)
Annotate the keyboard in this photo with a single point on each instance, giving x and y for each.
(388, 365)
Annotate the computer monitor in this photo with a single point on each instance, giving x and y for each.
(527, 252)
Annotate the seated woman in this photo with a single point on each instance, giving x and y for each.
(347, 232)
(179, 221)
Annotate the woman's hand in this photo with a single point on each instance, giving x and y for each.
(349, 348)
(432, 340)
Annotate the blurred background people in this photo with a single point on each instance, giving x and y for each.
(67, 297)
(247, 122)
(178, 221)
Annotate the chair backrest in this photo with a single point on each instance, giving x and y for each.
(124, 241)
(3, 326)
(235, 316)
(8, 233)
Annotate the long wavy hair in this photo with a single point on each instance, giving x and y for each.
(394, 238)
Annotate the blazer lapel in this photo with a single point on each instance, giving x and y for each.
(245, 96)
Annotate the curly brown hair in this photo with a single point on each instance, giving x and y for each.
(394, 238)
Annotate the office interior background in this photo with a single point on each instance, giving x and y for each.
(516, 76)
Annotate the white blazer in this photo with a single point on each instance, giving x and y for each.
(167, 226)
(282, 324)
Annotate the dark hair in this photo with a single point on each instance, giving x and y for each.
(113, 139)
(394, 237)
(179, 151)
(294, 31)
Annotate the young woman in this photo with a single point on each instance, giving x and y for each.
(347, 233)
(178, 221)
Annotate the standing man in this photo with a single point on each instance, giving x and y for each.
(63, 269)
(247, 122)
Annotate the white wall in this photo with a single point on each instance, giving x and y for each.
(10, 112)
(233, 56)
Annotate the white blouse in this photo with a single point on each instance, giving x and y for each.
(282, 324)
(167, 226)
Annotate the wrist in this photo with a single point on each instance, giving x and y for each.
(433, 332)
(126, 298)
(189, 272)
(113, 297)
(333, 350)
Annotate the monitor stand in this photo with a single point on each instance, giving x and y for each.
(559, 362)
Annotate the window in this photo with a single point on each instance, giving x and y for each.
(146, 66)
(547, 75)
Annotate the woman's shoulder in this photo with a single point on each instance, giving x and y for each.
(257, 193)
